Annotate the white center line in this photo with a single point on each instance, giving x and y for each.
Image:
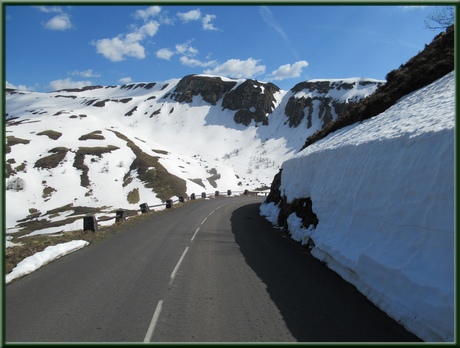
(193, 237)
(153, 323)
(212, 212)
(202, 222)
(173, 274)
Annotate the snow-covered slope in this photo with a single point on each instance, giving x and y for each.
(100, 148)
(383, 192)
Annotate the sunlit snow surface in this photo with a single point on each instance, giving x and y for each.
(41, 258)
(383, 191)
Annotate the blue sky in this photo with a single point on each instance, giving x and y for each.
(54, 47)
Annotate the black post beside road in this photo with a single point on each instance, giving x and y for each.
(181, 199)
(121, 216)
(144, 208)
(169, 203)
(203, 194)
(89, 223)
(229, 192)
(192, 197)
(217, 194)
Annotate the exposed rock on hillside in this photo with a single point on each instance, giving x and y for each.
(310, 95)
(253, 100)
(210, 88)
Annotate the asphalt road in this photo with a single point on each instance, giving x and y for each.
(212, 271)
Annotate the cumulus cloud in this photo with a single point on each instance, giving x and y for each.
(126, 45)
(59, 22)
(67, 83)
(207, 25)
(85, 74)
(195, 15)
(186, 49)
(192, 15)
(183, 48)
(49, 9)
(288, 71)
(125, 80)
(195, 62)
(165, 53)
(152, 11)
(248, 68)
(19, 87)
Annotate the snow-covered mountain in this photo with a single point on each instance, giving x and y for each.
(376, 202)
(101, 148)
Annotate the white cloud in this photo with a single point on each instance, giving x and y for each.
(207, 25)
(86, 73)
(49, 9)
(126, 45)
(67, 83)
(125, 80)
(186, 49)
(165, 53)
(152, 11)
(195, 62)
(150, 28)
(192, 15)
(289, 71)
(59, 22)
(19, 87)
(410, 8)
(248, 68)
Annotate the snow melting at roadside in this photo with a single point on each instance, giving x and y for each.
(34, 262)
(383, 191)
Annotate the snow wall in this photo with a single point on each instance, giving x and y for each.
(383, 191)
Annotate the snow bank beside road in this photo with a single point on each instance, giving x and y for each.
(34, 262)
(383, 191)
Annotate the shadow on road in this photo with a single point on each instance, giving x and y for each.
(316, 303)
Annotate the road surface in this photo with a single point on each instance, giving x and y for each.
(211, 271)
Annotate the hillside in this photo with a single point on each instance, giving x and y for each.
(100, 148)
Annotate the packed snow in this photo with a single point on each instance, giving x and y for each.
(383, 192)
(34, 262)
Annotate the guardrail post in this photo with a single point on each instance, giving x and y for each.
(246, 192)
(144, 208)
(192, 197)
(203, 194)
(229, 192)
(217, 193)
(120, 216)
(169, 203)
(181, 199)
(89, 223)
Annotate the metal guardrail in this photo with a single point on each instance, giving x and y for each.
(90, 223)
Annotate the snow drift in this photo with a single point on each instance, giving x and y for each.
(383, 192)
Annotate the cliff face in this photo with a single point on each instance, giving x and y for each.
(328, 98)
(210, 88)
(253, 100)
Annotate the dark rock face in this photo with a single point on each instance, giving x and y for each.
(329, 108)
(210, 88)
(253, 100)
(303, 207)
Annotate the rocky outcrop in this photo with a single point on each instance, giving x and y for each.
(253, 100)
(209, 88)
(310, 94)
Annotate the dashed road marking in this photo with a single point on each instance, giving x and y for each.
(153, 322)
(173, 274)
(193, 237)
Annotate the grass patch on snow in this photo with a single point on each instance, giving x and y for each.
(152, 173)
